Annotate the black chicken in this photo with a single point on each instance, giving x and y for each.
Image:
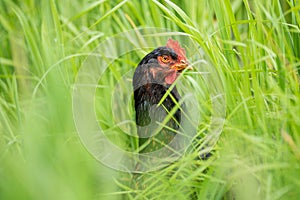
(155, 97)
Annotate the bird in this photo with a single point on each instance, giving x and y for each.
(156, 97)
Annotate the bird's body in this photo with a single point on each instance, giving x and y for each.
(150, 115)
(155, 97)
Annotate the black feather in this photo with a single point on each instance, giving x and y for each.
(148, 92)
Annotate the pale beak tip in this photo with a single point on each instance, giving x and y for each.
(190, 68)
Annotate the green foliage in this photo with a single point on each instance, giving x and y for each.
(253, 45)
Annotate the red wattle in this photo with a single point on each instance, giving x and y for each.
(171, 77)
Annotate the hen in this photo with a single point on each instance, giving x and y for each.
(158, 114)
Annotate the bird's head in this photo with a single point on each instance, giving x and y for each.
(174, 57)
(167, 62)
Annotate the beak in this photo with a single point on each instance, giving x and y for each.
(182, 65)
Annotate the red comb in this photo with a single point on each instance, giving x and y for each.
(173, 44)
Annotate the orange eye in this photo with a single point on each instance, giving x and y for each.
(165, 59)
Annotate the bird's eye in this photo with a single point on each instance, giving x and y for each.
(165, 59)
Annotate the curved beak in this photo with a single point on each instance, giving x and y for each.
(182, 65)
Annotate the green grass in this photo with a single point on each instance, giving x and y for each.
(251, 47)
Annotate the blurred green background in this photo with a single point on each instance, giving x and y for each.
(254, 45)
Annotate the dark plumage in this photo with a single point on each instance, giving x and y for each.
(153, 77)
